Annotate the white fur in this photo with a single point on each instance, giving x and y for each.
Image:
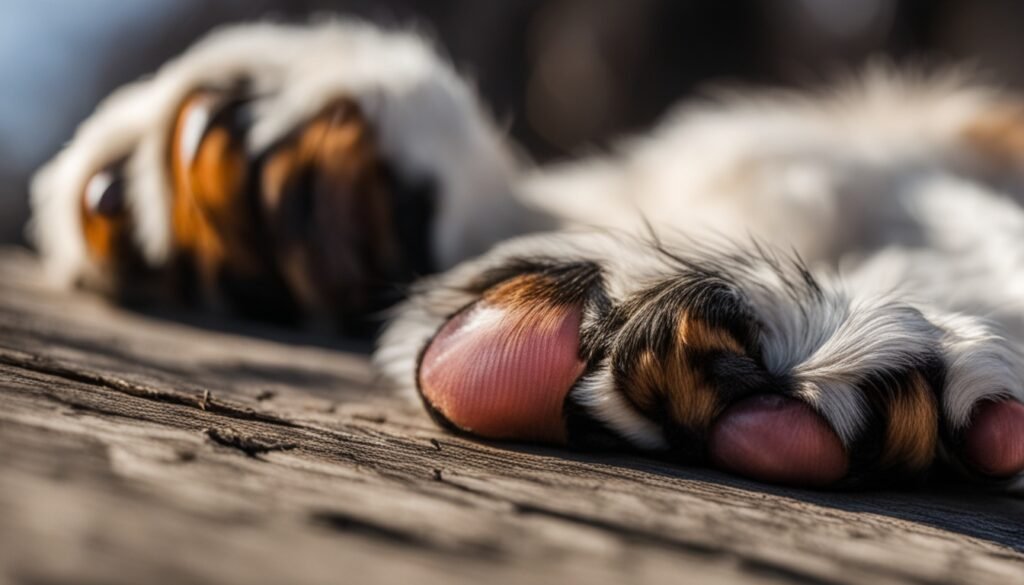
(597, 393)
(818, 168)
(56, 190)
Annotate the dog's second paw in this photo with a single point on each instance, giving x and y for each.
(305, 171)
(731, 357)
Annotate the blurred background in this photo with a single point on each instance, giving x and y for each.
(566, 76)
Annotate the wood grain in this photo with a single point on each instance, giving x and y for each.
(169, 448)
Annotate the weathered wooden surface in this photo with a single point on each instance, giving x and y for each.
(141, 449)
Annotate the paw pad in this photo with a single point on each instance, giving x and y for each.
(501, 368)
(777, 439)
(994, 441)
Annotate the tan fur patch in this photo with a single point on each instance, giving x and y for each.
(532, 295)
(674, 383)
(525, 291)
(335, 158)
(211, 221)
(998, 135)
(911, 432)
(104, 236)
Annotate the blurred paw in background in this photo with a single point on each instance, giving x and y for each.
(566, 75)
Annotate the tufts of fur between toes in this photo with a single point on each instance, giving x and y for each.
(686, 349)
(680, 351)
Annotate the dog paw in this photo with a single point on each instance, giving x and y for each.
(737, 358)
(272, 168)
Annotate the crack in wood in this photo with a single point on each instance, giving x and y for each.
(204, 401)
(251, 445)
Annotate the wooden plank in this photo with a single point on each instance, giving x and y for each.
(167, 448)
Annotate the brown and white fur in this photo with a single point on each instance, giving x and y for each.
(847, 259)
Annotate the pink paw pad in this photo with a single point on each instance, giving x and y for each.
(502, 370)
(777, 439)
(994, 441)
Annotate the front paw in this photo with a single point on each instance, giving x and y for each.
(730, 357)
